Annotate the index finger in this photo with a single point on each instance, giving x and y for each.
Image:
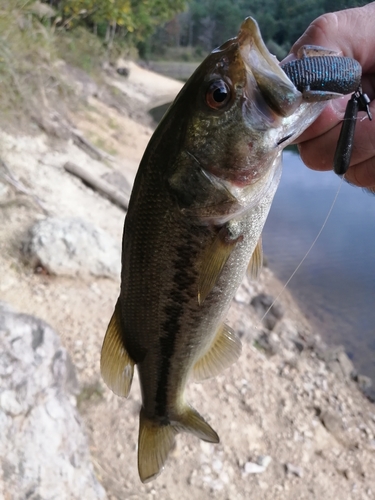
(349, 31)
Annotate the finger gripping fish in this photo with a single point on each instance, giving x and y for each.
(193, 228)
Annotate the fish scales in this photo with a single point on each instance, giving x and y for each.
(172, 318)
(193, 227)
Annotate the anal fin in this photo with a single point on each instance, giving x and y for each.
(191, 421)
(256, 262)
(223, 352)
(116, 366)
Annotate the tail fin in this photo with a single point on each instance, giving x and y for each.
(156, 440)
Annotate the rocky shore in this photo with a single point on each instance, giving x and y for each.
(292, 419)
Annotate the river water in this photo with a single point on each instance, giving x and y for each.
(335, 286)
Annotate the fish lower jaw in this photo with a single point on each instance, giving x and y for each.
(249, 195)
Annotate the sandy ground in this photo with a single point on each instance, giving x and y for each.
(289, 427)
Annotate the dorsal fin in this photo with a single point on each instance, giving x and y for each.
(116, 366)
(223, 352)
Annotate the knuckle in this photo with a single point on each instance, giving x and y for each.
(323, 28)
(325, 22)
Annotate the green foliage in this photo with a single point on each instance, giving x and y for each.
(333, 5)
(214, 21)
(34, 34)
(208, 23)
(80, 48)
(117, 11)
(29, 79)
(126, 16)
(293, 18)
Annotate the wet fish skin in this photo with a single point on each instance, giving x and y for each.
(199, 202)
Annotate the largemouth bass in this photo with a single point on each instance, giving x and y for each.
(199, 202)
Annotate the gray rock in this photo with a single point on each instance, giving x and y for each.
(337, 361)
(264, 460)
(363, 382)
(118, 180)
(253, 468)
(71, 246)
(43, 449)
(244, 293)
(258, 467)
(328, 354)
(332, 422)
(261, 304)
(122, 71)
(269, 343)
(346, 365)
(294, 470)
(4, 192)
(292, 336)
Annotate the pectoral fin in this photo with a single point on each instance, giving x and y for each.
(214, 259)
(224, 351)
(116, 366)
(256, 262)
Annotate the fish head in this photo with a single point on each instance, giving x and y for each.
(240, 109)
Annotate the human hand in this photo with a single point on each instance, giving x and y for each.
(352, 33)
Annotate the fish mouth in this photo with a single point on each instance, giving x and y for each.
(272, 85)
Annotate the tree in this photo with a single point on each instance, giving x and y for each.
(133, 16)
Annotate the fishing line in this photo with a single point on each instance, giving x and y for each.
(308, 251)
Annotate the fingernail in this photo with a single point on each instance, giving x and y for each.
(339, 105)
(288, 58)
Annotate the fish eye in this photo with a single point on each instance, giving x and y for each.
(218, 94)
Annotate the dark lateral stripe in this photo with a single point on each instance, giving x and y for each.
(183, 281)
